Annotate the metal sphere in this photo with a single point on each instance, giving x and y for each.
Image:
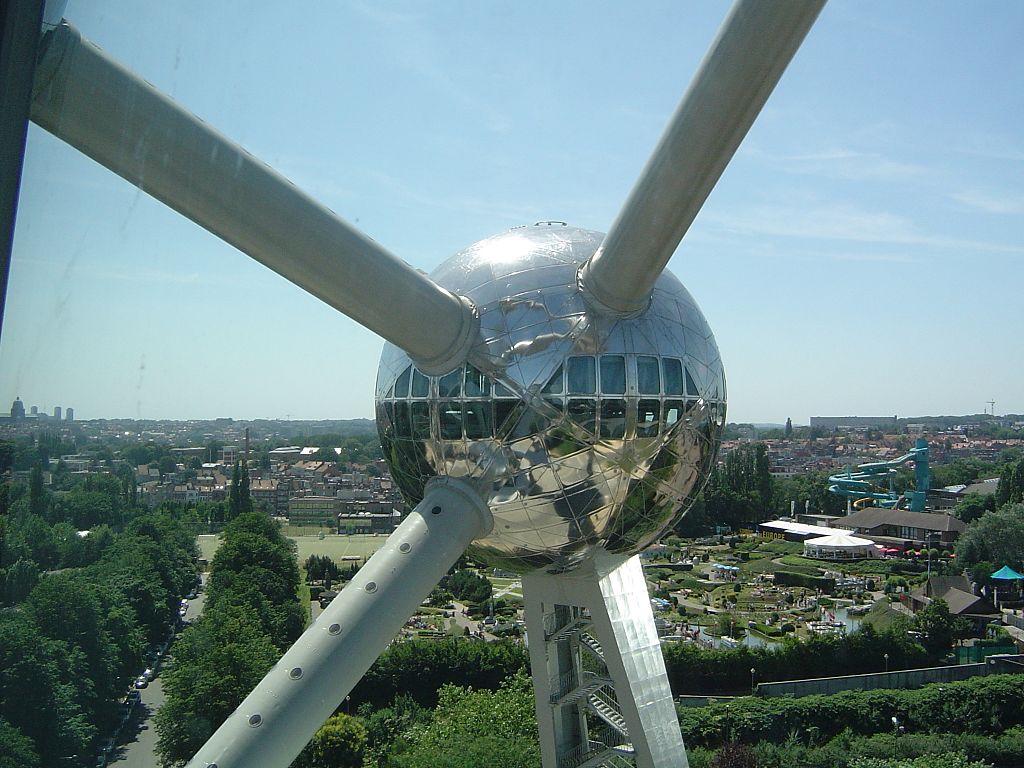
(585, 431)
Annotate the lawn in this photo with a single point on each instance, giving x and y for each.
(882, 617)
(333, 545)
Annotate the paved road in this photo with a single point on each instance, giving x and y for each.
(136, 747)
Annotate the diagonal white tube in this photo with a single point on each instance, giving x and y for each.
(87, 99)
(739, 72)
(276, 720)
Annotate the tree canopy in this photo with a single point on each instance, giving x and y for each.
(997, 537)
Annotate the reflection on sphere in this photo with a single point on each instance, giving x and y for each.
(590, 431)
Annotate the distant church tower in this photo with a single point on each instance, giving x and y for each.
(17, 409)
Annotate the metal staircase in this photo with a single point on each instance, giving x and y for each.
(607, 746)
(606, 708)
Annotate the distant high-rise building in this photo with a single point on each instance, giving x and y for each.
(69, 414)
(57, 412)
(35, 410)
(17, 409)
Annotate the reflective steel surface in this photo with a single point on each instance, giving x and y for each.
(589, 431)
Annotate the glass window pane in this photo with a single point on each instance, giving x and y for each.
(554, 385)
(613, 418)
(420, 420)
(500, 390)
(582, 376)
(613, 374)
(402, 385)
(691, 385)
(673, 376)
(648, 375)
(584, 413)
(450, 385)
(673, 411)
(648, 412)
(479, 420)
(505, 411)
(477, 385)
(403, 428)
(420, 385)
(450, 413)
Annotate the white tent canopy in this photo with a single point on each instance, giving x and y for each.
(840, 546)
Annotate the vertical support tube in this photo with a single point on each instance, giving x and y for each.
(613, 589)
(19, 37)
(276, 720)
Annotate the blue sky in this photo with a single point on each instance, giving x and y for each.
(862, 254)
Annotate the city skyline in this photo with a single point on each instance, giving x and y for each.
(860, 255)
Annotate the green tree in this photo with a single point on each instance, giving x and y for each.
(477, 729)
(1011, 484)
(339, 743)
(789, 428)
(419, 668)
(19, 581)
(938, 626)
(18, 750)
(43, 691)
(470, 586)
(974, 505)
(167, 465)
(244, 495)
(67, 607)
(234, 493)
(948, 760)
(326, 454)
(997, 537)
(218, 661)
(38, 503)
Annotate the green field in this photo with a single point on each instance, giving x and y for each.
(333, 545)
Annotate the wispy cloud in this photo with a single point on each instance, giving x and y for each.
(883, 258)
(845, 223)
(988, 202)
(842, 163)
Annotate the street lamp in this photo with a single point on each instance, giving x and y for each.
(886, 657)
(753, 683)
(897, 729)
(930, 537)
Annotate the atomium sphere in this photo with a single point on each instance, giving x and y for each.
(586, 431)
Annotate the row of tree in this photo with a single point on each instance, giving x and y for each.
(252, 614)
(695, 670)
(73, 642)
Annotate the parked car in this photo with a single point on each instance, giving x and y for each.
(148, 673)
(141, 682)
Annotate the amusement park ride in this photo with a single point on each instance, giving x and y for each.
(555, 415)
(866, 485)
